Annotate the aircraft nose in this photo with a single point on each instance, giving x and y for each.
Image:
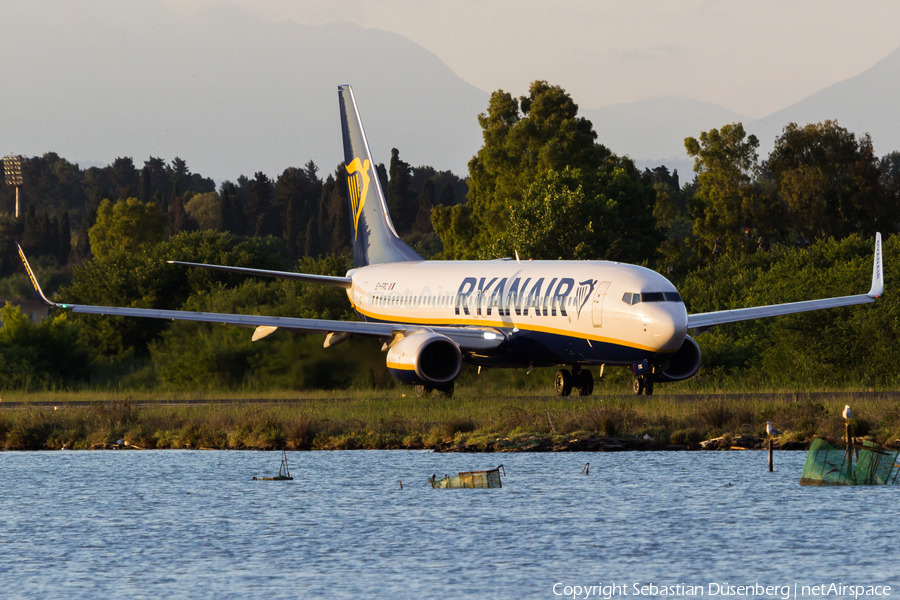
(668, 324)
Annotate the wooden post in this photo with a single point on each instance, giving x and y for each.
(849, 449)
(771, 466)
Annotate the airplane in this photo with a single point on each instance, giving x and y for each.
(432, 316)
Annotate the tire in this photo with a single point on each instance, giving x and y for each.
(422, 391)
(563, 382)
(648, 388)
(638, 386)
(585, 384)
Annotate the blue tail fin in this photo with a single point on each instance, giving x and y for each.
(375, 240)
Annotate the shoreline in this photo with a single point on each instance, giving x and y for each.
(464, 424)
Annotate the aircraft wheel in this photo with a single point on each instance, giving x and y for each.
(638, 386)
(563, 382)
(648, 388)
(422, 391)
(585, 384)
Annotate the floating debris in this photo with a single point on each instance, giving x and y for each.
(469, 479)
(283, 473)
(834, 462)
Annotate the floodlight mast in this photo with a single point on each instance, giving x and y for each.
(12, 169)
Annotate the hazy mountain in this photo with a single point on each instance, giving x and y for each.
(864, 103)
(655, 128)
(228, 93)
(652, 131)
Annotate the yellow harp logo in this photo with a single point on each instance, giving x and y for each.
(358, 183)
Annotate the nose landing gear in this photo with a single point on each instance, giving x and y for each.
(643, 384)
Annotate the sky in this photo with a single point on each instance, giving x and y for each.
(753, 58)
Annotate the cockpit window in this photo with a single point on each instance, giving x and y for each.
(657, 297)
(627, 298)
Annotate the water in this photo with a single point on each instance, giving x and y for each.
(193, 524)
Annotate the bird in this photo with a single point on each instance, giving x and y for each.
(848, 414)
(771, 430)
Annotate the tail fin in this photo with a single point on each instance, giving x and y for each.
(375, 240)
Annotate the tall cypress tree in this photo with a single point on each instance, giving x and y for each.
(259, 199)
(426, 203)
(311, 239)
(31, 235)
(176, 212)
(400, 196)
(226, 218)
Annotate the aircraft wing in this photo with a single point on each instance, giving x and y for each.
(477, 339)
(704, 321)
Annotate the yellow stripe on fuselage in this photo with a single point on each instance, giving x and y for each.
(508, 324)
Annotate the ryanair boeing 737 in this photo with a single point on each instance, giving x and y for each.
(434, 315)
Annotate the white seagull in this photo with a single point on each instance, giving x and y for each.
(848, 414)
(771, 430)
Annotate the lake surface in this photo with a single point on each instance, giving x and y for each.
(193, 524)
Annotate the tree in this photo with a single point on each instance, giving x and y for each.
(176, 210)
(538, 225)
(258, 201)
(126, 225)
(124, 177)
(829, 181)
(526, 140)
(293, 193)
(426, 205)
(205, 210)
(722, 207)
(401, 198)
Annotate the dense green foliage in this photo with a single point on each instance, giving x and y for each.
(538, 140)
(47, 355)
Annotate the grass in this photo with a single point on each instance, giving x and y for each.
(389, 419)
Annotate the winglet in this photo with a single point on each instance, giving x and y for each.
(877, 271)
(38, 293)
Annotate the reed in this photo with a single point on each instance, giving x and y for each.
(369, 419)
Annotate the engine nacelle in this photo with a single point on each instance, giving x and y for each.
(683, 364)
(424, 359)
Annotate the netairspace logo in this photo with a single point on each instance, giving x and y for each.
(712, 590)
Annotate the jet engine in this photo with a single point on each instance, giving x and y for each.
(683, 364)
(424, 358)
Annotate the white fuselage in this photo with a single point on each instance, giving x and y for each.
(573, 312)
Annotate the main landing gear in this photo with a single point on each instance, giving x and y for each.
(643, 384)
(578, 379)
(441, 391)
